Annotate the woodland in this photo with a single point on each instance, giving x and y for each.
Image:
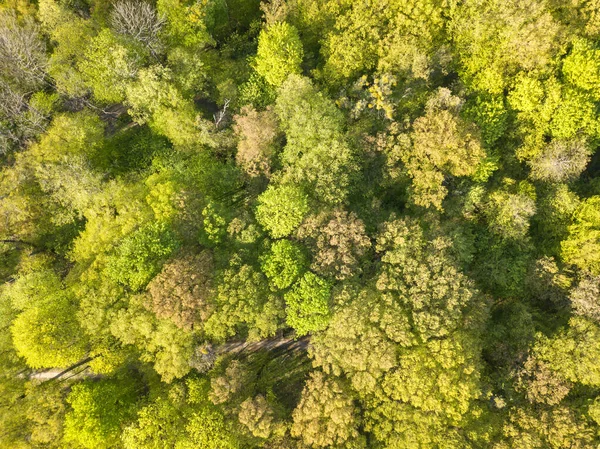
(299, 224)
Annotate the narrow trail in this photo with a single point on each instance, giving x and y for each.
(289, 344)
(271, 344)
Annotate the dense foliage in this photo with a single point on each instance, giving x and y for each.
(299, 224)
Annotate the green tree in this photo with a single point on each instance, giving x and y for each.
(580, 248)
(159, 341)
(316, 152)
(154, 98)
(571, 354)
(362, 339)
(108, 66)
(509, 210)
(308, 304)
(440, 144)
(281, 209)
(284, 263)
(139, 256)
(159, 425)
(423, 401)
(423, 276)
(243, 304)
(48, 335)
(489, 36)
(581, 66)
(326, 415)
(98, 411)
(279, 53)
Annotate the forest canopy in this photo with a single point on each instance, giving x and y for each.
(299, 224)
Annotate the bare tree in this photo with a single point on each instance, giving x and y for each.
(22, 52)
(220, 116)
(19, 121)
(274, 10)
(140, 21)
(561, 160)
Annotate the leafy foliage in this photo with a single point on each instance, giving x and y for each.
(281, 209)
(239, 224)
(308, 304)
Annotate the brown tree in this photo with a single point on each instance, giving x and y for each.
(338, 240)
(181, 290)
(541, 384)
(257, 131)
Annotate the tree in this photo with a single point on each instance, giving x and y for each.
(585, 297)
(401, 38)
(139, 256)
(554, 428)
(308, 304)
(63, 160)
(185, 23)
(326, 415)
(257, 416)
(489, 37)
(508, 210)
(338, 241)
(22, 52)
(48, 335)
(554, 212)
(581, 67)
(281, 209)
(31, 288)
(181, 291)
(229, 384)
(98, 410)
(284, 263)
(154, 98)
(423, 401)
(243, 304)
(71, 34)
(45, 415)
(540, 384)
(279, 53)
(362, 339)
(440, 144)
(548, 109)
(316, 152)
(560, 161)
(580, 248)
(22, 117)
(571, 354)
(257, 132)
(159, 425)
(140, 21)
(208, 429)
(159, 341)
(423, 276)
(109, 66)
